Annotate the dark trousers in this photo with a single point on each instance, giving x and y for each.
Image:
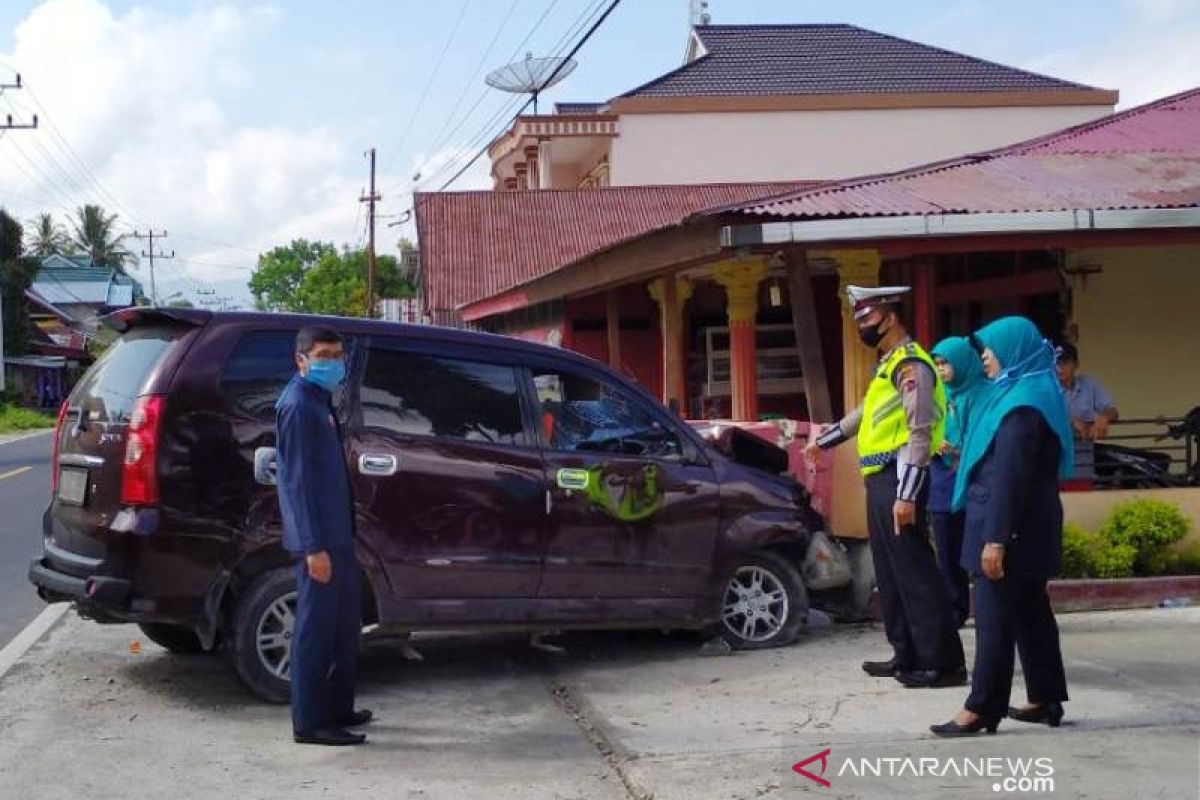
(917, 613)
(948, 537)
(1014, 612)
(325, 643)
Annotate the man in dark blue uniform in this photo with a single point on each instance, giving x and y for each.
(318, 529)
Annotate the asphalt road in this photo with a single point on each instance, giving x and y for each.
(24, 493)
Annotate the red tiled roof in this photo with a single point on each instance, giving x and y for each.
(478, 244)
(1145, 157)
(832, 59)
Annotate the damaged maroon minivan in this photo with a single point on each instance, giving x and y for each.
(497, 483)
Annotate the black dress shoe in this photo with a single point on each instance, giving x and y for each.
(880, 669)
(933, 678)
(1047, 713)
(360, 717)
(333, 737)
(952, 728)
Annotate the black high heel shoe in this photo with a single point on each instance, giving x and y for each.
(1047, 713)
(952, 728)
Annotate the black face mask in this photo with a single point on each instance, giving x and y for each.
(871, 335)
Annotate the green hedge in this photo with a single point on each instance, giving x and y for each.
(13, 418)
(1137, 539)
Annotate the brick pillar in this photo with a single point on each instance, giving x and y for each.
(741, 278)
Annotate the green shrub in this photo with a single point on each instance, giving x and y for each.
(1077, 546)
(1091, 555)
(1149, 527)
(1184, 561)
(14, 418)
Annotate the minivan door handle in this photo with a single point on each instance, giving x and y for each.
(264, 466)
(382, 464)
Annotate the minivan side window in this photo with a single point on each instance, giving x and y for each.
(578, 413)
(422, 395)
(260, 366)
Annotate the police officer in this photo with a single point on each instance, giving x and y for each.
(899, 426)
(318, 529)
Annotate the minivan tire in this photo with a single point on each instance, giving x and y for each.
(761, 588)
(258, 607)
(175, 638)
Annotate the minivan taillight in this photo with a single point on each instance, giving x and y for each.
(58, 427)
(139, 480)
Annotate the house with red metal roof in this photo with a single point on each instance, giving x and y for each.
(736, 309)
(755, 103)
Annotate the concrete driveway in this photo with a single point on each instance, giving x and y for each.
(621, 715)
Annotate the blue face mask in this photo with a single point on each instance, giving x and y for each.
(326, 374)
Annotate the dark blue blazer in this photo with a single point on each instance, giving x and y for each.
(313, 482)
(1012, 499)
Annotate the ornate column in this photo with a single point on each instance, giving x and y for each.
(671, 294)
(531, 158)
(741, 278)
(522, 171)
(857, 268)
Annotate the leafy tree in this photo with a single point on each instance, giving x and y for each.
(317, 278)
(16, 274)
(95, 236)
(47, 237)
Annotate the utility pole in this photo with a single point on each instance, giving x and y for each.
(9, 125)
(153, 255)
(371, 199)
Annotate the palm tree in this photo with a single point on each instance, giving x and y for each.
(95, 237)
(47, 238)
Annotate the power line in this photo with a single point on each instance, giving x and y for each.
(549, 80)
(485, 137)
(484, 91)
(429, 83)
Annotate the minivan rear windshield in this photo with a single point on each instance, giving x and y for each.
(109, 389)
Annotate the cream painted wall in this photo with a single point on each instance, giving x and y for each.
(787, 145)
(1138, 327)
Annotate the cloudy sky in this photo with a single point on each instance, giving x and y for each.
(240, 125)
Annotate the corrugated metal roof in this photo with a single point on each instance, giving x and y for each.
(73, 292)
(832, 59)
(479, 244)
(1146, 157)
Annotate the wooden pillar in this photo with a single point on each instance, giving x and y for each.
(848, 510)
(612, 319)
(671, 294)
(923, 301)
(808, 337)
(741, 278)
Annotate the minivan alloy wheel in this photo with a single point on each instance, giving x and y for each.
(273, 636)
(756, 604)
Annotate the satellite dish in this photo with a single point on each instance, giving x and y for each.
(531, 76)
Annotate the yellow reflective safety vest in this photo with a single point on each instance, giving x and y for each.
(884, 426)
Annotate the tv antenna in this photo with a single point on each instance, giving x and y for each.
(531, 76)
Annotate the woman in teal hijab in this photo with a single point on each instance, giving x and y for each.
(961, 370)
(1017, 445)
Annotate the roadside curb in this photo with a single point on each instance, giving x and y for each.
(15, 650)
(1116, 593)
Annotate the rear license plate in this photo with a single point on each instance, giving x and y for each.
(72, 485)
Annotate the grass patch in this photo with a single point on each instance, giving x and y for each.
(14, 419)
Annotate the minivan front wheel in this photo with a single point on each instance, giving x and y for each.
(765, 603)
(261, 644)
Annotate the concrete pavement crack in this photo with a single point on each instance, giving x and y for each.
(577, 711)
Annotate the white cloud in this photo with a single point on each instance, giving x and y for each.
(1155, 55)
(142, 99)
